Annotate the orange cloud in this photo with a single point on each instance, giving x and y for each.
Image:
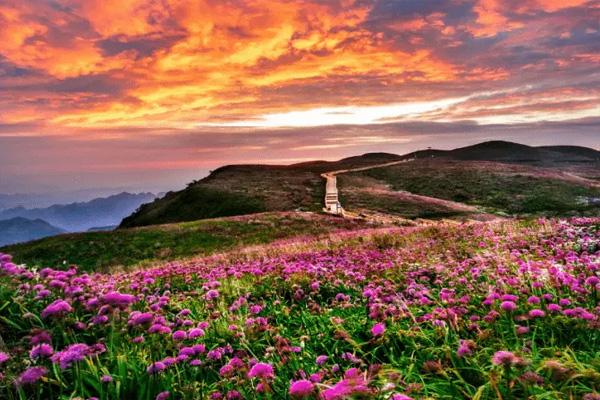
(180, 63)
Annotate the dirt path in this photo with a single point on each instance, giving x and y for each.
(333, 206)
(332, 203)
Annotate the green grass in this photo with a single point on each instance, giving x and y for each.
(191, 204)
(97, 251)
(489, 186)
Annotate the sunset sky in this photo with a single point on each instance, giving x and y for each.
(154, 93)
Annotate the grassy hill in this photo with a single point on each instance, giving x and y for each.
(97, 251)
(244, 189)
(509, 152)
(536, 187)
(491, 186)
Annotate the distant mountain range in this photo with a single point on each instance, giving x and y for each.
(77, 217)
(19, 229)
(43, 199)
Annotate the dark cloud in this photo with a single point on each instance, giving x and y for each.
(143, 46)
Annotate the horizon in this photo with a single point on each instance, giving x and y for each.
(90, 193)
(151, 95)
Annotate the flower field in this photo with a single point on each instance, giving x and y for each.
(497, 310)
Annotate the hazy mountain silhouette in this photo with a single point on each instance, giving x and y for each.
(19, 229)
(75, 217)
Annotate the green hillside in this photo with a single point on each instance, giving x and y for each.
(496, 176)
(245, 189)
(496, 187)
(97, 251)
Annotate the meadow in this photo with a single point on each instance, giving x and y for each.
(494, 310)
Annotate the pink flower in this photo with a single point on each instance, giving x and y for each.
(321, 360)
(301, 388)
(163, 395)
(41, 350)
(57, 308)
(261, 370)
(353, 383)
(117, 299)
(505, 358)
(536, 313)
(179, 336)
(378, 329)
(522, 330)
(31, 376)
(138, 318)
(4, 357)
(195, 333)
(156, 368)
(508, 306)
(399, 396)
(73, 353)
(465, 348)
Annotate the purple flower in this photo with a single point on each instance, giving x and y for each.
(106, 379)
(72, 354)
(301, 388)
(522, 330)
(321, 360)
(508, 305)
(31, 376)
(195, 333)
(465, 348)
(555, 308)
(378, 329)
(41, 350)
(353, 383)
(138, 318)
(256, 309)
(179, 336)
(163, 395)
(505, 358)
(156, 368)
(41, 337)
(57, 308)
(4, 357)
(536, 313)
(117, 299)
(226, 370)
(261, 370)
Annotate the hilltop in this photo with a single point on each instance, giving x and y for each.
(243, 189)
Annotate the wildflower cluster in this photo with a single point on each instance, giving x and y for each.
(481, 310)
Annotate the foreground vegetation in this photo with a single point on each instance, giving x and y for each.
(480, 311)
(98, 251)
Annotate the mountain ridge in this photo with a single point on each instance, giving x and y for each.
(19, 229)
(81, 216)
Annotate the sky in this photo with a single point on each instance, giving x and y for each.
(151, 94)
